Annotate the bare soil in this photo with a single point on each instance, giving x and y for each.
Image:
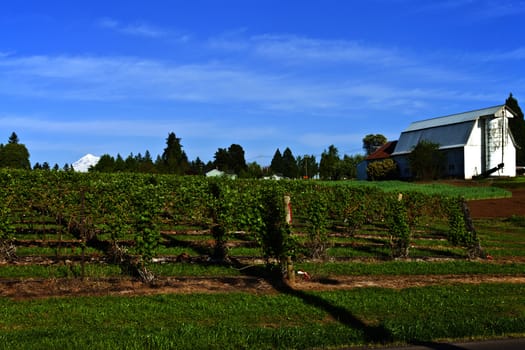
(71, 287)
(22, 289)
(499, 208)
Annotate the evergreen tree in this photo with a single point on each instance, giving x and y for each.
(174, 159)
(230, 160)
(253, 171)
(289, 164)
(120, 164)
(307, 166)
(197, 167)
(517, 128)
(276, 166)
(132, 163)
(349, 165)
(14, 155)
(222, 160)
(13, 139)
(106, 164)
(329, 167)
(236, 158)
(146, 164)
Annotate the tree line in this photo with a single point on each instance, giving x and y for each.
(330, 166)
(232, 161)
(173, 160)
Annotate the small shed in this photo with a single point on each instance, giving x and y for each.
(217, 172)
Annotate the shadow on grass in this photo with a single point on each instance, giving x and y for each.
(436, 253)
(372, 334)
(199, 247)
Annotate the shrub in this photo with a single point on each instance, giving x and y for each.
(382, 170)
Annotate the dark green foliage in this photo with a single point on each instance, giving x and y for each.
(517, 127)
(123, 207)
(230, 160)
(307, 166)
(426, 161)
(461, 231)
(317, 219)
(289, 165)
(329, 167)
(222, 213)
(7, 248)
(385, 169)
(276, 166)
(173, 159)
(348, 165)
(372, 142)
(275, 235)
(14, 155)
(398, 227)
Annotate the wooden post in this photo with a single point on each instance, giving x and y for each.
(288, 209)
(290, 269)
(288, 218)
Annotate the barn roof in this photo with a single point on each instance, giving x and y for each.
(383, 152)
(454, 118)
(450, 131)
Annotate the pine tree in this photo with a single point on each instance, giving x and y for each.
(517, 128)
(14, 155)
(329, 167)
(13, 139)
(174, 159)
(276, 166)
(289, 164)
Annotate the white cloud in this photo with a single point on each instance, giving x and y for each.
(305, 50)
(137, 28)
(327, 77)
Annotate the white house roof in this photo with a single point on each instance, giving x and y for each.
(450, 131)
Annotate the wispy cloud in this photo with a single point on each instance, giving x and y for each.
(472, 10)
(281, 73)
(303, 49)
(138, 28)
(114, 78)
(141, 29)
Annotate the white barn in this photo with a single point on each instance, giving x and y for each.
(475, 143)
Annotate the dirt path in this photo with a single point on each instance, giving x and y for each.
(21, 289)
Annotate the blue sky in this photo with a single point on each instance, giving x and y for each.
(112, 77)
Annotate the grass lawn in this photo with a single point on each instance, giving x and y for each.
(289, 320)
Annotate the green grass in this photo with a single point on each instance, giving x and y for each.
(59, 271)
(289, 320)
(458, 267)
(94, 270)
(468, 192)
